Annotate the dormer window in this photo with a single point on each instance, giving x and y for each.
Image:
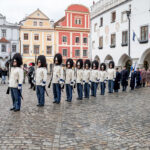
(78, 21)
(34, 23)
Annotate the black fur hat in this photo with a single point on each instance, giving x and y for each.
(79, 62)
(103, 64)
(69, 61)
(42, 59)
(87, 62)
(18, 58)
(58, 56)
(96, 63)
(112, 63)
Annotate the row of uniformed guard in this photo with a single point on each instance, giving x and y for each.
(85, 76)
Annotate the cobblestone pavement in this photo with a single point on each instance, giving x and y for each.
(120, 121)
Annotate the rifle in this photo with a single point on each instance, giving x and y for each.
(20, 94)
(8, 90)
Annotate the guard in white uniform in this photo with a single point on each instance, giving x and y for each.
(94, 78)
(79, 78)
(40, 80)
(69, 81)
(111, 76)
(15, 81)
(103, 78)
(57, 78)
(86, 78)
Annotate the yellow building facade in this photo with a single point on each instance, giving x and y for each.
(37, 37)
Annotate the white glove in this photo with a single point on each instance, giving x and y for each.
(19, 86)
(43, 83)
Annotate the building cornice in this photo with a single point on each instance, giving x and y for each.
(72, 29)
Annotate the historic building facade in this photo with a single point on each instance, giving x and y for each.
(9, 40)
(72, 33)
(110, 36)
(37, 37)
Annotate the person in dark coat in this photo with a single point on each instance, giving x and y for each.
(31, 74)
(117, 81)
(138, 78)
(133, 78)
(124, 78)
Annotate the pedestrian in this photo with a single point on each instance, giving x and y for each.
(117, 81)
(57, 78)
(40, 80)
(102, 78)
(31, 73)
(79, 78)
(69, 79)
(133, 79)
(4, 74)
(143, 77)
(148, 77)
(94, 78)
(86, 78)
(111, 76)
(15, 81)
(0, 75)
(124, 78)
(138, 78)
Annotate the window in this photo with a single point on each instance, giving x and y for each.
(26, 49)
(3, 33)
(36, 37)
(36, 49)
(101, 22)
(78, 21)
(100, 42)
(113, 17)
(144, 33)
(34, 23)
(13, 48)
(3, 48)
(84, 53)
(25, 36)
(77, 52)
(93, 44)
(95, 27)
(124, 17)
(49, 49)
(64, 39)
(64, 52)
(77, 40)
(124, 38)
(85, 40)
(49, 37)
(41, 24)
(113, 40)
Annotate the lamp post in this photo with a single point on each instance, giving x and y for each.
(128, 12)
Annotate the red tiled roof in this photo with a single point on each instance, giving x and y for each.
(3, 40)
(60, 20)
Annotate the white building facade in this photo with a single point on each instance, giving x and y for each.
(9, 40)
(110, 32)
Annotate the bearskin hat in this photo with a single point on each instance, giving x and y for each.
(103, 64)
(87, 62)
(96, 63)
(79, 62)
(42, 59)
(18, 58)
(69, 61)
(58, 57)
(112, 63)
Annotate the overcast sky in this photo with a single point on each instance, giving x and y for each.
(16, 10)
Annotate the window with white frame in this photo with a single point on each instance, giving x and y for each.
(144, 33)
(85, 40)
(14, 47)
(101, 42)
(36, 49)
(36, 37)
(101, 21)
(3, 33)
(124, 37)
(26, 49)
(3, 48)
(77, 40)
(41, 24)
(95, 27)
(25, 36)
(34, 23)
(49, 50)
(93, 45)
(77, 52)
(113, 40)
(49, 37)
(78, 21)
(113, 17)
(124, 17)
(85, 53)
(64, 39)
(65, 52)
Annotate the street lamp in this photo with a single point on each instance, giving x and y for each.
(128, 12)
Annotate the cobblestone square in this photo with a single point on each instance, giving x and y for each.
(120, 121)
